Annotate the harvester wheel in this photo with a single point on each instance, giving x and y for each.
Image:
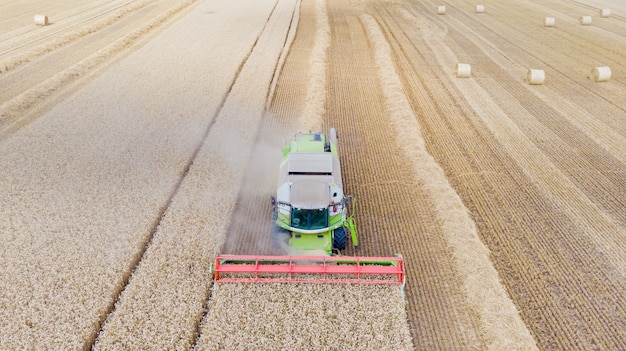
(340, 238)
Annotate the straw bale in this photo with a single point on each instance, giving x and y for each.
(41, 20)
(600, 74)
(535, 76)
(549, 22)
(463, 70)
(585, 20)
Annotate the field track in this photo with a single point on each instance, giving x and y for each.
(138, 138)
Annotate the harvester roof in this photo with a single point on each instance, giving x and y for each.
(316, 171)
(308, 192)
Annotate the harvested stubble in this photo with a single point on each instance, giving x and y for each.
(540, 216)
(501, 324)
(393, 211)
(306, 317)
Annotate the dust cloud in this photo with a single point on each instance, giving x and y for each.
(250, 230)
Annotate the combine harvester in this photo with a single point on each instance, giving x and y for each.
(311, 219)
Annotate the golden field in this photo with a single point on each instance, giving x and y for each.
(139, 139)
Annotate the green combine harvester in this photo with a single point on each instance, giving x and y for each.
(311, 211)
(311, 225)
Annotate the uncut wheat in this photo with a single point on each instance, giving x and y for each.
(305, 316)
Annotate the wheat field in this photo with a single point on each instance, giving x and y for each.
(139, 139)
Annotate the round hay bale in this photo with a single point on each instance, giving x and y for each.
(463, 70)
(585, 20)
(605, 13)
(41, 20)
(600, 74)
(535, 76)
(549, 22)
(441, 10)
(480, 8)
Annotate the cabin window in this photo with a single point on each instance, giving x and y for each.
(309, 219)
